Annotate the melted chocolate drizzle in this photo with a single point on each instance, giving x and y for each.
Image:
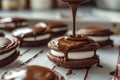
(74, 6)
(86, 75)
(69, 72)
(54, 67)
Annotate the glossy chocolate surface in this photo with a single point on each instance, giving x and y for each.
(95, 31)
(28, 31)
(32, 73)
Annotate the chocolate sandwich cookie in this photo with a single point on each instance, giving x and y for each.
(9, 50)
(32, 36)
(73, 52)
(32, 73)
(55, 27)
(98, 34)
(10, 24)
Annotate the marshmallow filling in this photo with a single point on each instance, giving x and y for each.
(74, 55)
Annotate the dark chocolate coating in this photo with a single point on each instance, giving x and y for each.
(80, 44)
(32, 31)
(95, 31)
(54, 24)
(35, 73)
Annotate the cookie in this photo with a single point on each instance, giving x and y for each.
(55, 27)
(98, 34)
(10, 24)
(32, 36)
(32, 73)
(73, 52)
(9, 50)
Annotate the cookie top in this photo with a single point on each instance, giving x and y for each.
(73, 44)
(95, 31)
(32, 73)
(7, 42)
(29, 31)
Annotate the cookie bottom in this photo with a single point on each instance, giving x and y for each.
(9, 59)
(74, 64)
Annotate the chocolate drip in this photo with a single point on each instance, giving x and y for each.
(86, 75)
(69, 72)
(54, 67)
(74, 5)
(74, 10)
